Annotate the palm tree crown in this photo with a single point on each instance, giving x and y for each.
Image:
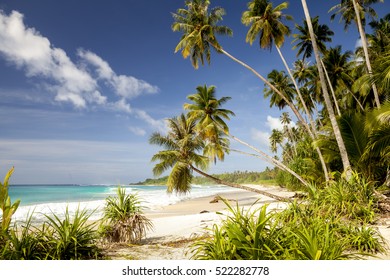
(322, 32)
(206, 110)
(182, 147)
(199, 27)
(347, 11)
(265, 22)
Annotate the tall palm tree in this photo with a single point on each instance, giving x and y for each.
(323, 34)
(206, 110)
(355, 10)
(182, 155)
(303, 41)
(199, 28)
(266, 23)
(196, 108)
(328, 103)
(280, 81)
(276, 139)
(285, 120)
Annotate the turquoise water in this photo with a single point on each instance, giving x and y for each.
(47, 199)
(40, 194)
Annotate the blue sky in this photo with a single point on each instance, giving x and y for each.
(83, 84)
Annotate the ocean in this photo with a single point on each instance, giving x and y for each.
(47, 199)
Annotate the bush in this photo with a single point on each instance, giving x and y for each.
(123, 219)
(70, 239)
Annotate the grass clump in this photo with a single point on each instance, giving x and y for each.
(123, 219)
(333, 224)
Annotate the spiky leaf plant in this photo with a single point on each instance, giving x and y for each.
(123, 219)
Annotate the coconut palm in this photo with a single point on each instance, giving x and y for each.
(323, 34)
(276, 139)
(206, 110)
(182, 155)
(328, 103)
(199, 28)
(218, 144)
(285, 120)
(279, 80)
(303, 40)
(266, 23)
(356, 10)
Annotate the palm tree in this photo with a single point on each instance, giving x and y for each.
(280, 81)
(328, 103)
(304, 44)
(276, 139)
(323, 34)
(286, 120)
(182, 155)
(355, 10)
(199, 100)
(199, 28)
(265, 23)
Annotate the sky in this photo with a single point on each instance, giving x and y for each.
(83, 85)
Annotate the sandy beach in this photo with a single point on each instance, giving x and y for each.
(177, 225)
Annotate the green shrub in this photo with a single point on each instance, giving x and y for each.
(70, 239)
(123, 219)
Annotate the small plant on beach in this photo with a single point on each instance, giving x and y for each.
(123, 219)
(25, 242)
(7, 208)
(71, 238)
(243, 235)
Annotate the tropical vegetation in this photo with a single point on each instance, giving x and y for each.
(337, 153)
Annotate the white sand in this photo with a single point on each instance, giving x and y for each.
(183, 221)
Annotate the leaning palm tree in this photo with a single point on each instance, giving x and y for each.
(355, 10)
(328, 103)
(183, 156)
(199, 28)
(266, 23)
(281, 81)
(206, 110)
(303, 40)
(200, 113)
(276, 139)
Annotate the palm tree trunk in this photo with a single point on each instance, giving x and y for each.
(365, 49)
(328, 103)
(269, 159)
(331, 89)
(313, 133)
(233, 185)
(289, 103)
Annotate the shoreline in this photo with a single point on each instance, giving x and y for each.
(178, 225)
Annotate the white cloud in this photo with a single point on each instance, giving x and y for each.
(261, 137)
(358, 43)
(125, 86)
(275, 123)
(74, 83)
(159, 125)
(138, 131)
